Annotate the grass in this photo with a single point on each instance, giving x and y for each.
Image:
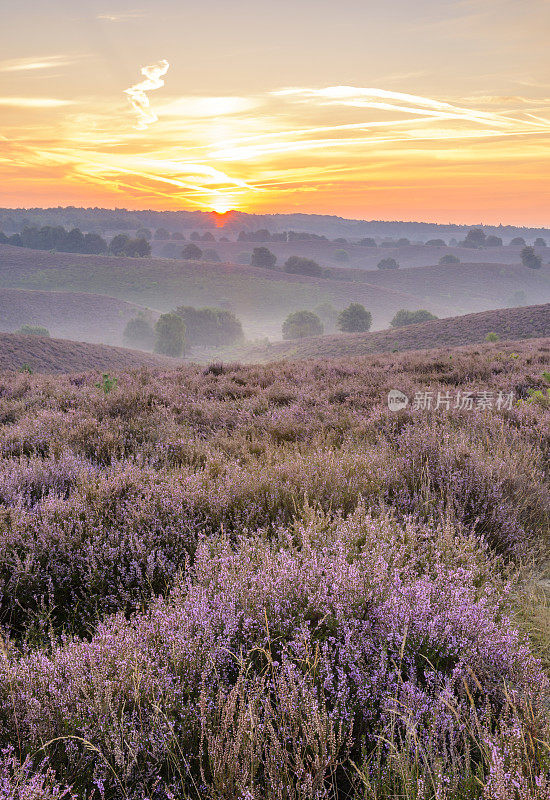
(259, 582)
(38, 354)
(507, 324)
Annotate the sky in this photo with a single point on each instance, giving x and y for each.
(435, 110)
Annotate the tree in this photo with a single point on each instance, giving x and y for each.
(296, 265)
(208, 237)
(74, 242)
(162, 234)
(137, 248)
(177, 236)
(139, 333)
(210, 327)
(518, 241)
(493, 241)
(118, 244)
(34, 330)
(211, 255)
(302, 324)
(170, 335)
(475, 238)
(195, 236)
(435, 243)
(262, 257)
(328, 315)
(191, 252)
(449, 258)
(94, 244)
(144, 233)
(368, 242)
(403, 242)
(388, 263)
(354, 318)
(530, 259)
(540, 242)
(404, 317)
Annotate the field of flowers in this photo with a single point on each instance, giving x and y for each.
(260, 583)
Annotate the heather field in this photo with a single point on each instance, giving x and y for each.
(259, 582)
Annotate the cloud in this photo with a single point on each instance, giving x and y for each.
(36, 63)
(137, 94)
(33, 102)
(125, 17)
(207, 106)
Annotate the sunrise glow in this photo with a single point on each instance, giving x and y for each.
(355, 142)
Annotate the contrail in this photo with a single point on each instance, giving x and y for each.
(137, 97)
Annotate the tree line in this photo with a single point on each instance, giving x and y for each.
(59, 239)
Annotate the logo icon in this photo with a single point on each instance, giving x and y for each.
(397, 400)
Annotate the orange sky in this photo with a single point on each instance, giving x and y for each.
(428, 111)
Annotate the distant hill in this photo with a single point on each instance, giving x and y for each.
(68, 315)
(58, 356)
(262, 298)
(510, 324)
(105, 219)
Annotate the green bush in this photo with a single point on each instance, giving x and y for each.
(296, 265)
(34, 330)
(388, 263)
(170, 335)
(139, 333)
(404, 317)
(354, 318)
(302, 324)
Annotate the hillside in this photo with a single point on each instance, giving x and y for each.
(68, 315)
(262, 298)
(510, 323)
(59, 356)
(260, 579)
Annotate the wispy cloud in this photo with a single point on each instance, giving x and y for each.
(124, 17)
(138, 97)
(33, 102)
(36, 63)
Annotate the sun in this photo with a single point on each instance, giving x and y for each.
(221, 205)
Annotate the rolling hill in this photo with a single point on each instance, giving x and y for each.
(68, 315)
(59, 356)
(262, 298)
(510, 324)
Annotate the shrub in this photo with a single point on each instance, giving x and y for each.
(449, 258)
(34, 330)
(518, 241)
(492, 337)
(214, 327)
(170, 335)
(530, 259)
(354, 318)
(435, 243)
(368, 242)
(540, 242)
(296, 265)
(388, 263)
(139, 333)
(475, 238)
(302, 324)
(191, 252)
(404, 317)
(263, 257)
(211, 255)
